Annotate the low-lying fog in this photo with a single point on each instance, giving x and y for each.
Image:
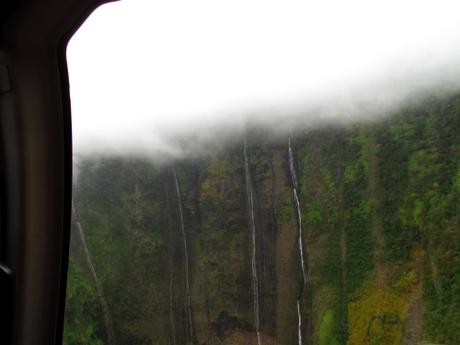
(148, 76)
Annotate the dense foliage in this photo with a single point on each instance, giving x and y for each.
(381, 232)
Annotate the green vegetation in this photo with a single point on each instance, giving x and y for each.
(82, 314)
(381, 234)
(326, 330)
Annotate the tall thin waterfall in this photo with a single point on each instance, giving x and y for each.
(299, 324)
(188, 300)
(295, 186)
(255, 280)
(99, 290)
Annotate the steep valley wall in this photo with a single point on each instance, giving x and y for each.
(381, 236)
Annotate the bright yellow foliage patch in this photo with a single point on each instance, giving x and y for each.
(377, 316)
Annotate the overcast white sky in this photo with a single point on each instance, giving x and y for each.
(143, 72)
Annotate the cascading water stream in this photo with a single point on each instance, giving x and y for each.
(295, 186)
(299, 324)
(299, 217)
(255, 280)
(99, 290)
(188, 301)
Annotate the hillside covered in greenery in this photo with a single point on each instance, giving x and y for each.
(172, 249)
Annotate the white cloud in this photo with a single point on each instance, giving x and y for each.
(144, 72)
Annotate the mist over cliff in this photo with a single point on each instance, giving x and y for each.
(265, 172)
(175, 78)
(207, 250)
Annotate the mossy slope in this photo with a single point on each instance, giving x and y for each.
(381, 233)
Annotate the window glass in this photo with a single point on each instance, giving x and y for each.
(265, 172)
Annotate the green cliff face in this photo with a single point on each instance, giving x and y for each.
(381, 235)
